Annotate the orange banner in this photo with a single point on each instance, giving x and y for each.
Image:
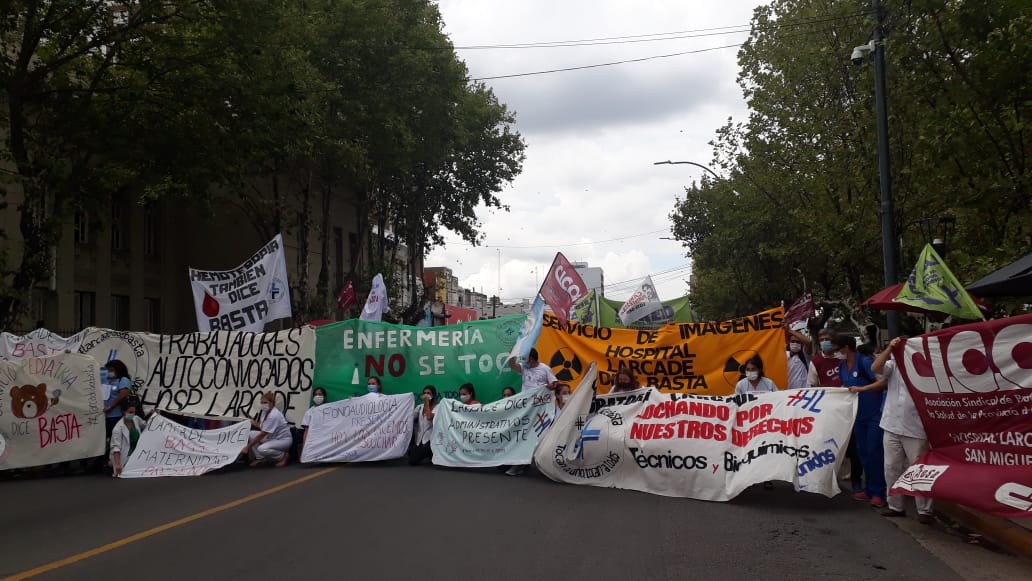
(699, 358)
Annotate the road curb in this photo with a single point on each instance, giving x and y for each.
(1008, 535)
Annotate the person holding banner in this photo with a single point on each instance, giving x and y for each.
(124, 437)
(270, 439)
(424, 420)
(857, 375)
(904, 438)
(798, 364)
(534, 374)
(117, 376)
(754, 381)
(374, 385)
(318, 398)
(468, 394)
(624, 381)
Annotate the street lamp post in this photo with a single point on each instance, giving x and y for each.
(698, 165)
(888, 215)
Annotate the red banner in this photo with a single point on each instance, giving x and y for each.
(800, 311)
(562, 287)
(347, 295)
(972, 385)
(459, 315)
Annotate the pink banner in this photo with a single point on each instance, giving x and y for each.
(562, 287)
(972, 385)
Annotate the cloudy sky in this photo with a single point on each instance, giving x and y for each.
(589, 187)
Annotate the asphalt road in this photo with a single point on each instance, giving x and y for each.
(392, 521)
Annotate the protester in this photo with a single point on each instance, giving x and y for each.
(624, 381)
(508, 392)
(468, 394)
(857, 375)
(374, 385)
(117, 376)
(904, 437)
(270, 438)
(534, 374)
(799, 350)
(754, 381)
(318, 398)
(124, 437)
(824, 367)
(562, 394)
(424, 427)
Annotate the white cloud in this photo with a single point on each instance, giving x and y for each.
(589, 187)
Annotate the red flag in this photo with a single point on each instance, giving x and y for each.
(562, 287)
(801, 310)
(347, 296)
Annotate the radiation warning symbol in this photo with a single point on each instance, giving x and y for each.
(565, 364)
(733, 365)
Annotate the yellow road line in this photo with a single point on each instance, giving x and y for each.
(161, 528)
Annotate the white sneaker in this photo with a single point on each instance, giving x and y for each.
(515, 470)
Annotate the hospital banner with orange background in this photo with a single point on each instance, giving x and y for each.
(699, 358)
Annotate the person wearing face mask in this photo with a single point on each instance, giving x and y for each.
(824, 366)
(318, 398)
(419, 449)
(374, 385)
(624, 381)
(562, 395)
(124, 438)
(754, 381)
(270, 440)
(468, 394)
(857, 375)
(798, 359)
(115, 375)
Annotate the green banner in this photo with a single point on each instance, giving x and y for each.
(674, 311)
(931, 286)
(406, 359)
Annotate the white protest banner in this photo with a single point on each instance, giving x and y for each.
(38, 343)
(495, 434)
(246, 297)
(704, 447)
(642, 303)
(170, 449)
(360, 429)
(221, 373)
(50, 410)
(376, 303)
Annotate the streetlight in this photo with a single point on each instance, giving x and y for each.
(699, 165)
(890, 248)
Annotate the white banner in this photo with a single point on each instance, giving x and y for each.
(38, 343)
(222, 373)
(376, 303)
(247, 297)
(361, 429)
(704, 447)
(51, 410)
(496, 434)
(170, 449)
(642, 303)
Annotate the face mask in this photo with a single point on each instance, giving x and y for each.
(794, 347)
(429, 396)
(318, 400)
(130, 416)
(372, 388)
(840, 355)
(752, 375)
(464, 397)
(266, 406)
(825, 346)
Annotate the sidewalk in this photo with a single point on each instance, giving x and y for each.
(1013, 535)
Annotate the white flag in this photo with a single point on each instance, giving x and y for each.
(642, 303)
(245, 298)
(376, 305)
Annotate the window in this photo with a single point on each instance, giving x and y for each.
(119, 229)
(338, 256)
(150, 232)
(85, 309)
(82, 228)
(119, 312)
(152, 314)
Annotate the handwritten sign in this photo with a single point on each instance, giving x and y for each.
(170, 449)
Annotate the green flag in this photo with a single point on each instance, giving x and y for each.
(931, 286)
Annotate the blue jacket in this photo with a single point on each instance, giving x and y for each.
(869, 405)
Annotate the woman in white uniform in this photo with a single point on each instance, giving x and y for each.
(424, 427)
(270, 439)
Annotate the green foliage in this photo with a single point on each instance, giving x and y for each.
(801, 200)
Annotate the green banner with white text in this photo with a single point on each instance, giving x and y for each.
(406, 359)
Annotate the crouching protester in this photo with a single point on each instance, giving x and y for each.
(904, 438)
(270, 438)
